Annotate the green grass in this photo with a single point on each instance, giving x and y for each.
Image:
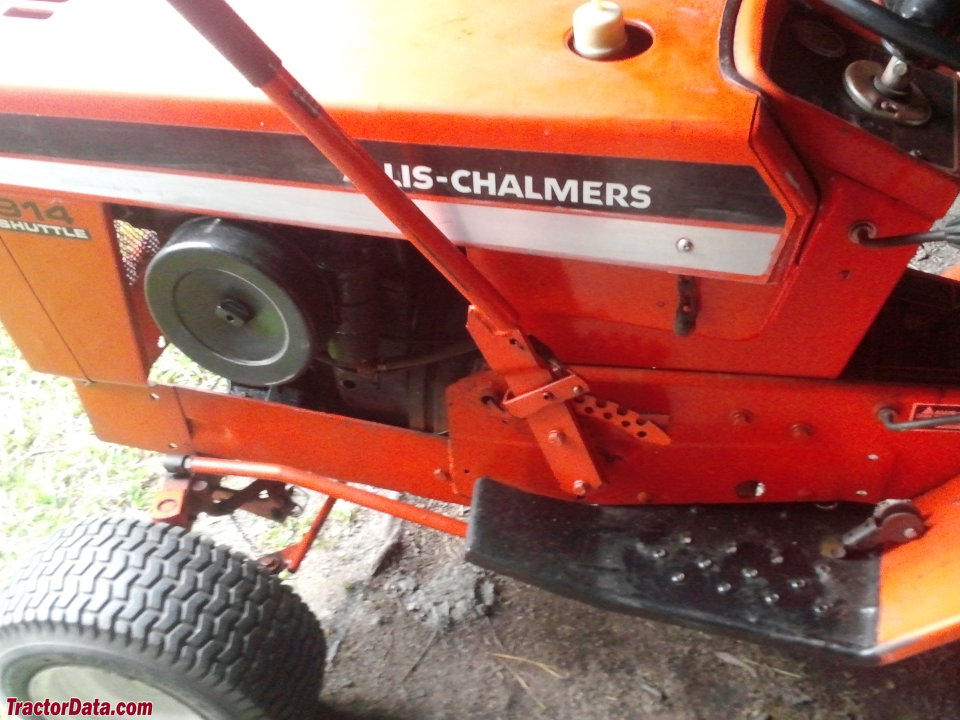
(52, 468)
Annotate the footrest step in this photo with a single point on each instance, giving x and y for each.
(757, 571)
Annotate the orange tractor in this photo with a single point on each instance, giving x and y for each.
(630, 282)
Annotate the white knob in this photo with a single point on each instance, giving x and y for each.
(599, 29)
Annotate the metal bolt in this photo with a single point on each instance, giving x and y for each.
(685, 245)
(199, 485)
(577, 390)
(724, 587)
(271, 564)
(749, 572)
(659, 553)
(704, 563)
(643, 497)
(889, 106)
(741, 417)
(579, 488)
(686, 539)
(771, 598)
(801, 430)
(556, 437)
(678, 577)
(898, 67)
(548, 396)
(441, 475)
(797, 583)
(776, 559)
(911, 533)
(234, 312)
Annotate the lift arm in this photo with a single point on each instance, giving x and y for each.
(494, 322)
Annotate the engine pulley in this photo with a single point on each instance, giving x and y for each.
(238, 301)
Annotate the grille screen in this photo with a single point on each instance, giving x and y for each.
(137, 246)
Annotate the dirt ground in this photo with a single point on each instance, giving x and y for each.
(416, 633)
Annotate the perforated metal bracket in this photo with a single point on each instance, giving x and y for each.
(640, 428)
(539, 394)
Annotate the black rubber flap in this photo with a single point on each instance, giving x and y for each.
(754, 570)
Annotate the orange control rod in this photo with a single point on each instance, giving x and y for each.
(239, 44)
(286, 474)
(294, 554)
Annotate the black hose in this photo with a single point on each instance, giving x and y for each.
(462, 348)
(900, 31)
(900, 240)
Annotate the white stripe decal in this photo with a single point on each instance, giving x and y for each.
(601, 238)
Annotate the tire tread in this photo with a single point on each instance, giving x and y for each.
(174, 595)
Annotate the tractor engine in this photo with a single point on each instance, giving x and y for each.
(347, 324)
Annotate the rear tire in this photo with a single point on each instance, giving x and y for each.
(150, 612)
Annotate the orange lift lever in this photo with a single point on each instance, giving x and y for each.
(494, 321)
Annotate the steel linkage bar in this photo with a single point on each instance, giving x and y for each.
(283, 473)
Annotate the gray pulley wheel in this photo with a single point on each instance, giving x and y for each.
(239, 302)
(123, 611)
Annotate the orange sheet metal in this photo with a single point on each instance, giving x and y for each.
(952, 272)
(554, 101)
(181, 420)
(919, 602)
(589, 313)
(332, 445)
(806, 440)
(311, 481)
(29, 325)
(145, 417)
(65, 248)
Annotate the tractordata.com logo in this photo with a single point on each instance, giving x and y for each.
(75, 707)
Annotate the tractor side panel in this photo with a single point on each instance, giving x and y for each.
(66, 249)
